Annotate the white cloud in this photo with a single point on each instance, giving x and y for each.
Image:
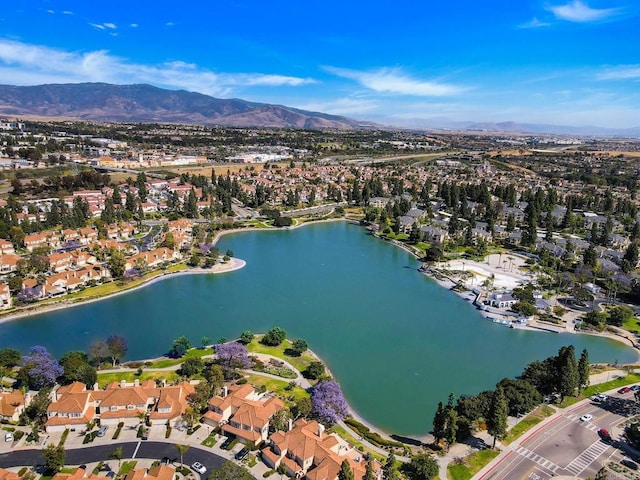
(169, 24)
(393, 81)
(340, 106)
(622, 72)
(51, 11)
(134, 25)
(98, 26)
(67, 12)
(112, 26)
(534, 23)
(25, 64)
(578, 11)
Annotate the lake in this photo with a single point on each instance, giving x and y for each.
(396, 341)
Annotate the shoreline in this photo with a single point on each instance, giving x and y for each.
(233, 265)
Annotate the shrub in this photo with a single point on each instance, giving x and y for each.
(116, 434)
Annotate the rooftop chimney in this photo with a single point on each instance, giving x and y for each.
(320, 430)
(225, 391)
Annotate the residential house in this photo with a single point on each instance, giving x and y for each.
(5, 296)
(405, 224)
(6, 247)
(433, 235)
(159, 472)
(502, 299)
(71, 406)
(9, 263)
(8, 475)
(43, 239)
(307, 452)
(59, 262)
(79, 474)
(153, 258)
(243, 412)
(12, 404)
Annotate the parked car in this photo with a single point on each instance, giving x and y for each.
(227, 443)
(599, 398)
(242, 453)
(200, 468)
(103, 430)
(635, 388)
(587, 417)
(604, 434)
(629, 464)
(8, 437)
(624, 390)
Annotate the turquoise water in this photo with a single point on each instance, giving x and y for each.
(397, 342)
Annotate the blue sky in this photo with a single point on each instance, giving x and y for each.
(563, 62)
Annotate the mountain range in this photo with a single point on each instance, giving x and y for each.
(145, 103)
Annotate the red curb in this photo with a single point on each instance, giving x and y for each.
(539, 428)
(497, 463)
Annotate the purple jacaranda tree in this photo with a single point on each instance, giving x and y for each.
(42, 369)
(232, 355)
(328, 402)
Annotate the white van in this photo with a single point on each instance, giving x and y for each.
(8, 437)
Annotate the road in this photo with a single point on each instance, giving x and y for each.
(84, 455)
(565, 445)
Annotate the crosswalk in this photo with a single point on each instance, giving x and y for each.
(588, 425)
(586, 458)
(578, 464)
(534, 457)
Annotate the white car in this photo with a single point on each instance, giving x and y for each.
(599, 398)
(200, 468)
(587, 417)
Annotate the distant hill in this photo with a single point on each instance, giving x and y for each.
(145, 103)
(441, 123)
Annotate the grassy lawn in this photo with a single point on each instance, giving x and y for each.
(105, 378)
(278, 387)
(602, 387)
(127, 467)
(471, 465)
(210, 441)
(170, 362)
(300, 363)
(528, 422)
(632, 325)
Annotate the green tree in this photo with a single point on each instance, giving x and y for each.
(497, 418)
(298, 347)
(230, 471)
(117, 454)
(619, 314)
(567, 371)
(117, 262)
(54, 457)
(583, 370)
(191, 366)
(369, 473)
(314, 371)
(439, 423)
(390, 468)
(180, 347)
(246, 337)
(345, 472)
(182, 449)
(274, 337)
(421, 467)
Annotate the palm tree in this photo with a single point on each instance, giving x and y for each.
(182, 449)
